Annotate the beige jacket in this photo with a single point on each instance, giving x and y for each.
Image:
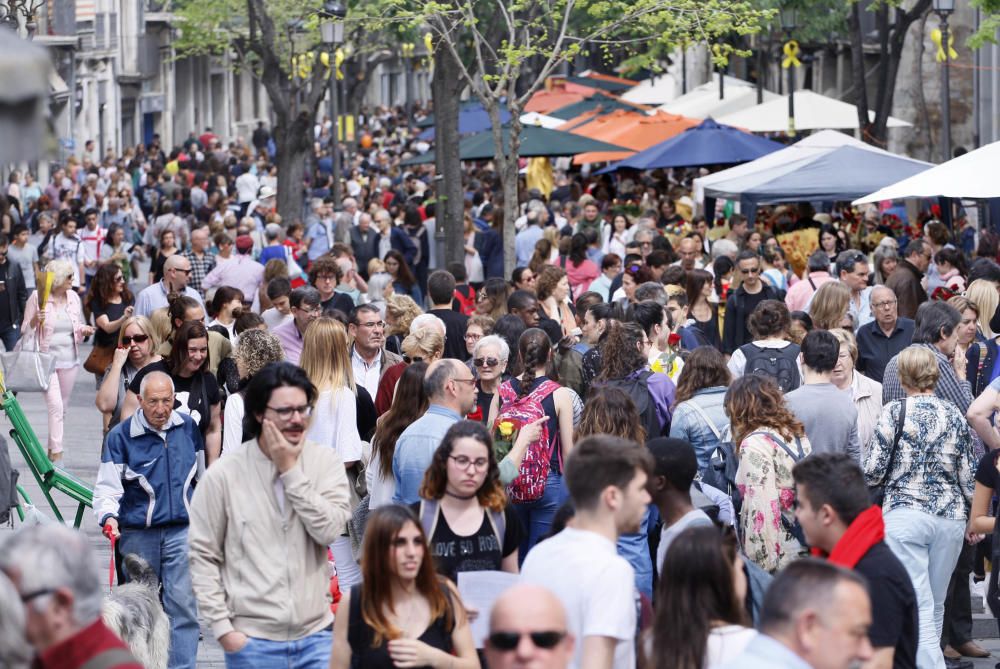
(254, 569)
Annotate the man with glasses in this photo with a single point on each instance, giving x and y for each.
(149, 466)
(743, 301)
(906, 279)
(269, 510)
(369, 358)
(528, 629)
(880, 340)
(176, 274)
(451, 390)
(304, 304)
(324, 275)
(61, 601)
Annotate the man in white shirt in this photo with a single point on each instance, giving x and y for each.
(675, 466)
(68, 246)
(92, 237)
(607, 478)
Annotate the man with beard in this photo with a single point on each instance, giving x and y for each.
(270, 509)
(607, 478)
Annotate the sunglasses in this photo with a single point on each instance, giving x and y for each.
(138, 339)
(508, 641)
(485, 362)
(409, 361)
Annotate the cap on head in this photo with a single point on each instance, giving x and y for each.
(244, 243)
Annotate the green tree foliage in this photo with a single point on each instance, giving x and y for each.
(989, 23)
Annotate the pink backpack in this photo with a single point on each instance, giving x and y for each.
(529, 486)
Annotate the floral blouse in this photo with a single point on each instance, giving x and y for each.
(934, 467)
(765, 481)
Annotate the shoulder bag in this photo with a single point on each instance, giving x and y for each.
(877, 492)
(26, 370)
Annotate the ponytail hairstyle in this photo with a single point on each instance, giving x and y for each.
(535, 350)
(620, 354)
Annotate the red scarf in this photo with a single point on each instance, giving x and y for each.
(867, 530)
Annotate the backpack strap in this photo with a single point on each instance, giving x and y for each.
(544, 390)
(704, 416)
(781, 443)
(430, 510)
(109, 658)
(507, 393)
(498, 521)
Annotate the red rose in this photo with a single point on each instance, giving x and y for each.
(674, 339)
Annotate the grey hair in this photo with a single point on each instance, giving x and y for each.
(154, 376)
(818, 262)
(535, 206)
(61, 270)
(438, 375)
(14, 653)
(493, 340)
(428, 320)
(651, 290)
(54, 556)
(935, 321)
(725, 247)
(376, 286)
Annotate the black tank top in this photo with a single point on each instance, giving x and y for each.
(360, 636)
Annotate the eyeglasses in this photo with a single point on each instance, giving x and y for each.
(138, 339)
(409, 361)
(463, 462)
(310, 310)
(372, 324)
(508, 641)
(185, 271)
(471, 336)
(751, 270)
(35, 594)
(119, 278)
(284, 413)
(883, 305)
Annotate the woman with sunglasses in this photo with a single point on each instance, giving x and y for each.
(491, 300)
(196, 390)
(403, 614)
(489, 360)
(137, 345)
(111, 303)
(463, 501)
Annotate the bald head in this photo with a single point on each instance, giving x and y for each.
(177, 271)
(520, 611)
(884, 307)
(156, 399)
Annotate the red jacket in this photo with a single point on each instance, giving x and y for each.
(84, 646)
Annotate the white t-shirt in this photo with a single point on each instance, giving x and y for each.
(335, 423)
(692, 518)
(726, 643)
(595, 584)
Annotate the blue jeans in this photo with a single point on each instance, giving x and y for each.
(311, 652)
(166, 551)
(928, 546)
(537, 516)
(10, 336)
(635, 549)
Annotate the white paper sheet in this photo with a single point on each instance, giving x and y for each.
(479, 589)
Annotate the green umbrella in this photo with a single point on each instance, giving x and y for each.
(535, 141)
(607, 105)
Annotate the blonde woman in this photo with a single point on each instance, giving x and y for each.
(426, 344)
(400, 310)
(254, 350)
(59, 328)
(136, 348)
(866, 393)
(326, 360)
(829, 306)
(981, 351)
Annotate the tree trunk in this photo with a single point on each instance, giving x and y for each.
(858, 65)
(290, 159)
(447, 85)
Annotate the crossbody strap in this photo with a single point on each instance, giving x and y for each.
(704, 417)
(900, 422)
(781, 443)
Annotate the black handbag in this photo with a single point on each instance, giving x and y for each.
(877, 492)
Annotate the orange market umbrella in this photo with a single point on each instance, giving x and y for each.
(545, 101)
(635, 130)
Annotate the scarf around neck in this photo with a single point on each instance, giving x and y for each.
(867, 530)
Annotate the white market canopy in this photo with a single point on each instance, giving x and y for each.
(656, 90)
(704, 102)
(534, 118)
(812, 112)
(971, 176)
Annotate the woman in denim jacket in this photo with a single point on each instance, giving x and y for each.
(699, 416)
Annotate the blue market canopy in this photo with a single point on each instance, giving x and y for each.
(535, 141)
(472, 118)
(708, 143)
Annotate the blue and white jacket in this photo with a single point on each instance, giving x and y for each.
(146, 478)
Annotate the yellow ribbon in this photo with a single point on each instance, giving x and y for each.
(429, 42)
(407, 49)
(338, 60)
(791, 51)
(936, 38)
(302, 64)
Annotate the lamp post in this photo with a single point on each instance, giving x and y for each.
(331, 29)
(944, 8)
(788, 24)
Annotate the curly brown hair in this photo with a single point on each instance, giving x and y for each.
(611, 411)
(490, 494)
(620, 354)
(704, 368)
(547, 280)
(754, 402)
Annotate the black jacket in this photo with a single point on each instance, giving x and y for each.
(15, 293)
(740, 304)
(364, 250)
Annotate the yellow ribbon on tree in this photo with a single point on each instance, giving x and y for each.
(936, 38)
(338, 60)
(429, 42)
(791, 51)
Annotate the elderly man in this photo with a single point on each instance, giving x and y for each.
(528, 629)
(55, 575)
(202, 262)
(369, 358)
(690, 254)
(260, 526)
(880, 340)
(176, 274)
(815, 616)
(241, 272)
(149, 466)
(364, 243)
(451, 390)
(305, 308)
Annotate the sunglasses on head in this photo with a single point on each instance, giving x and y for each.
(138, 339)
(485, 362)
(509, 640)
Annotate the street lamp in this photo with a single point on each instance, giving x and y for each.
(789, 19)
(331, 30)
(944, 8)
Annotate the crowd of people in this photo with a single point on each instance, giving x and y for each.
(692, 453)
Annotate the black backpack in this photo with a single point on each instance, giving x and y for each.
(778, 363)
(720, 473)
(637, 387)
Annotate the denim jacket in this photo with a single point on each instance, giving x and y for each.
(689, 425)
